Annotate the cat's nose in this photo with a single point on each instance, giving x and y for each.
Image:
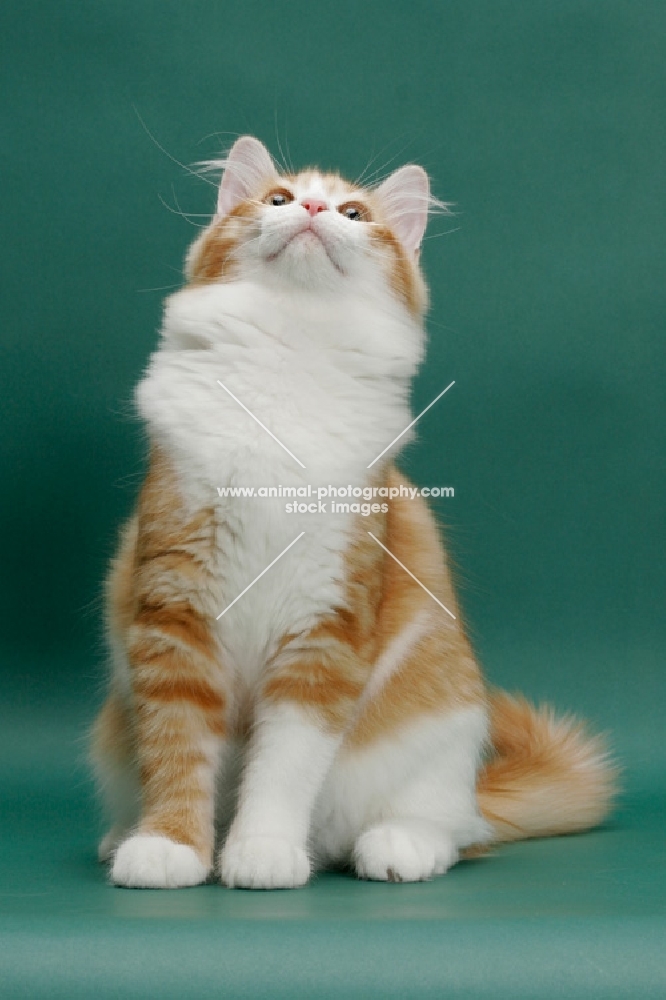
(313, 205)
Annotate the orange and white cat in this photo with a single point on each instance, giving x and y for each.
(334, 714)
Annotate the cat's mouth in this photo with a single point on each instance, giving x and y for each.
(307, 233)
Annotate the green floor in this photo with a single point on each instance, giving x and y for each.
(570, 917)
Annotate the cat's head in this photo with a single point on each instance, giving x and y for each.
(314, 230)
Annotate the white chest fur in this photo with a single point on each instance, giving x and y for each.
(330, 381)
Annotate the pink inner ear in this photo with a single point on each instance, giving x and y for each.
(405, 197)
(247, 168)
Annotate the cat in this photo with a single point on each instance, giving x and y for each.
(296, 690)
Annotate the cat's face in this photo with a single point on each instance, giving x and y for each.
(314, 230)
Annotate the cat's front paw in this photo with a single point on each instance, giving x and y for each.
(263, 863)
(403, 851)
(153, 862)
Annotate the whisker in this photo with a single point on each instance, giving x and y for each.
(368, 180)
(279, 144)
(192, 215)
(173, 211)
(433, 205)
(359, 178)
(436, 236)
(443, 326)
(166, 153)
(216, 135)
(160, 288)
(286, 142)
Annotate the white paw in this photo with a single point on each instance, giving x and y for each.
(403, 851)
(151, 862)
(263, 863)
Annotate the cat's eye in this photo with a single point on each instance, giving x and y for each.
(354, 211)
(279, 197)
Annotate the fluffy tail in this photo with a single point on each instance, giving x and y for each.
(547, 776)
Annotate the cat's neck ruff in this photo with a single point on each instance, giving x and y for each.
(356, 328)
(328, 375)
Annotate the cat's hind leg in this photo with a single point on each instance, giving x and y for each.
(400, 808)
(432, 812)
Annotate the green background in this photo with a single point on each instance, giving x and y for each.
(544, 123)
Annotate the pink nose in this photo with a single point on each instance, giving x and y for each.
(313, 206)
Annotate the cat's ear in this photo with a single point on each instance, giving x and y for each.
(405, 198)
(247, 168)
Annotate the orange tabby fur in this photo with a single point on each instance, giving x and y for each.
(543, 775)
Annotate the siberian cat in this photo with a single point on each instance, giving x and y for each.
(333, 714)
